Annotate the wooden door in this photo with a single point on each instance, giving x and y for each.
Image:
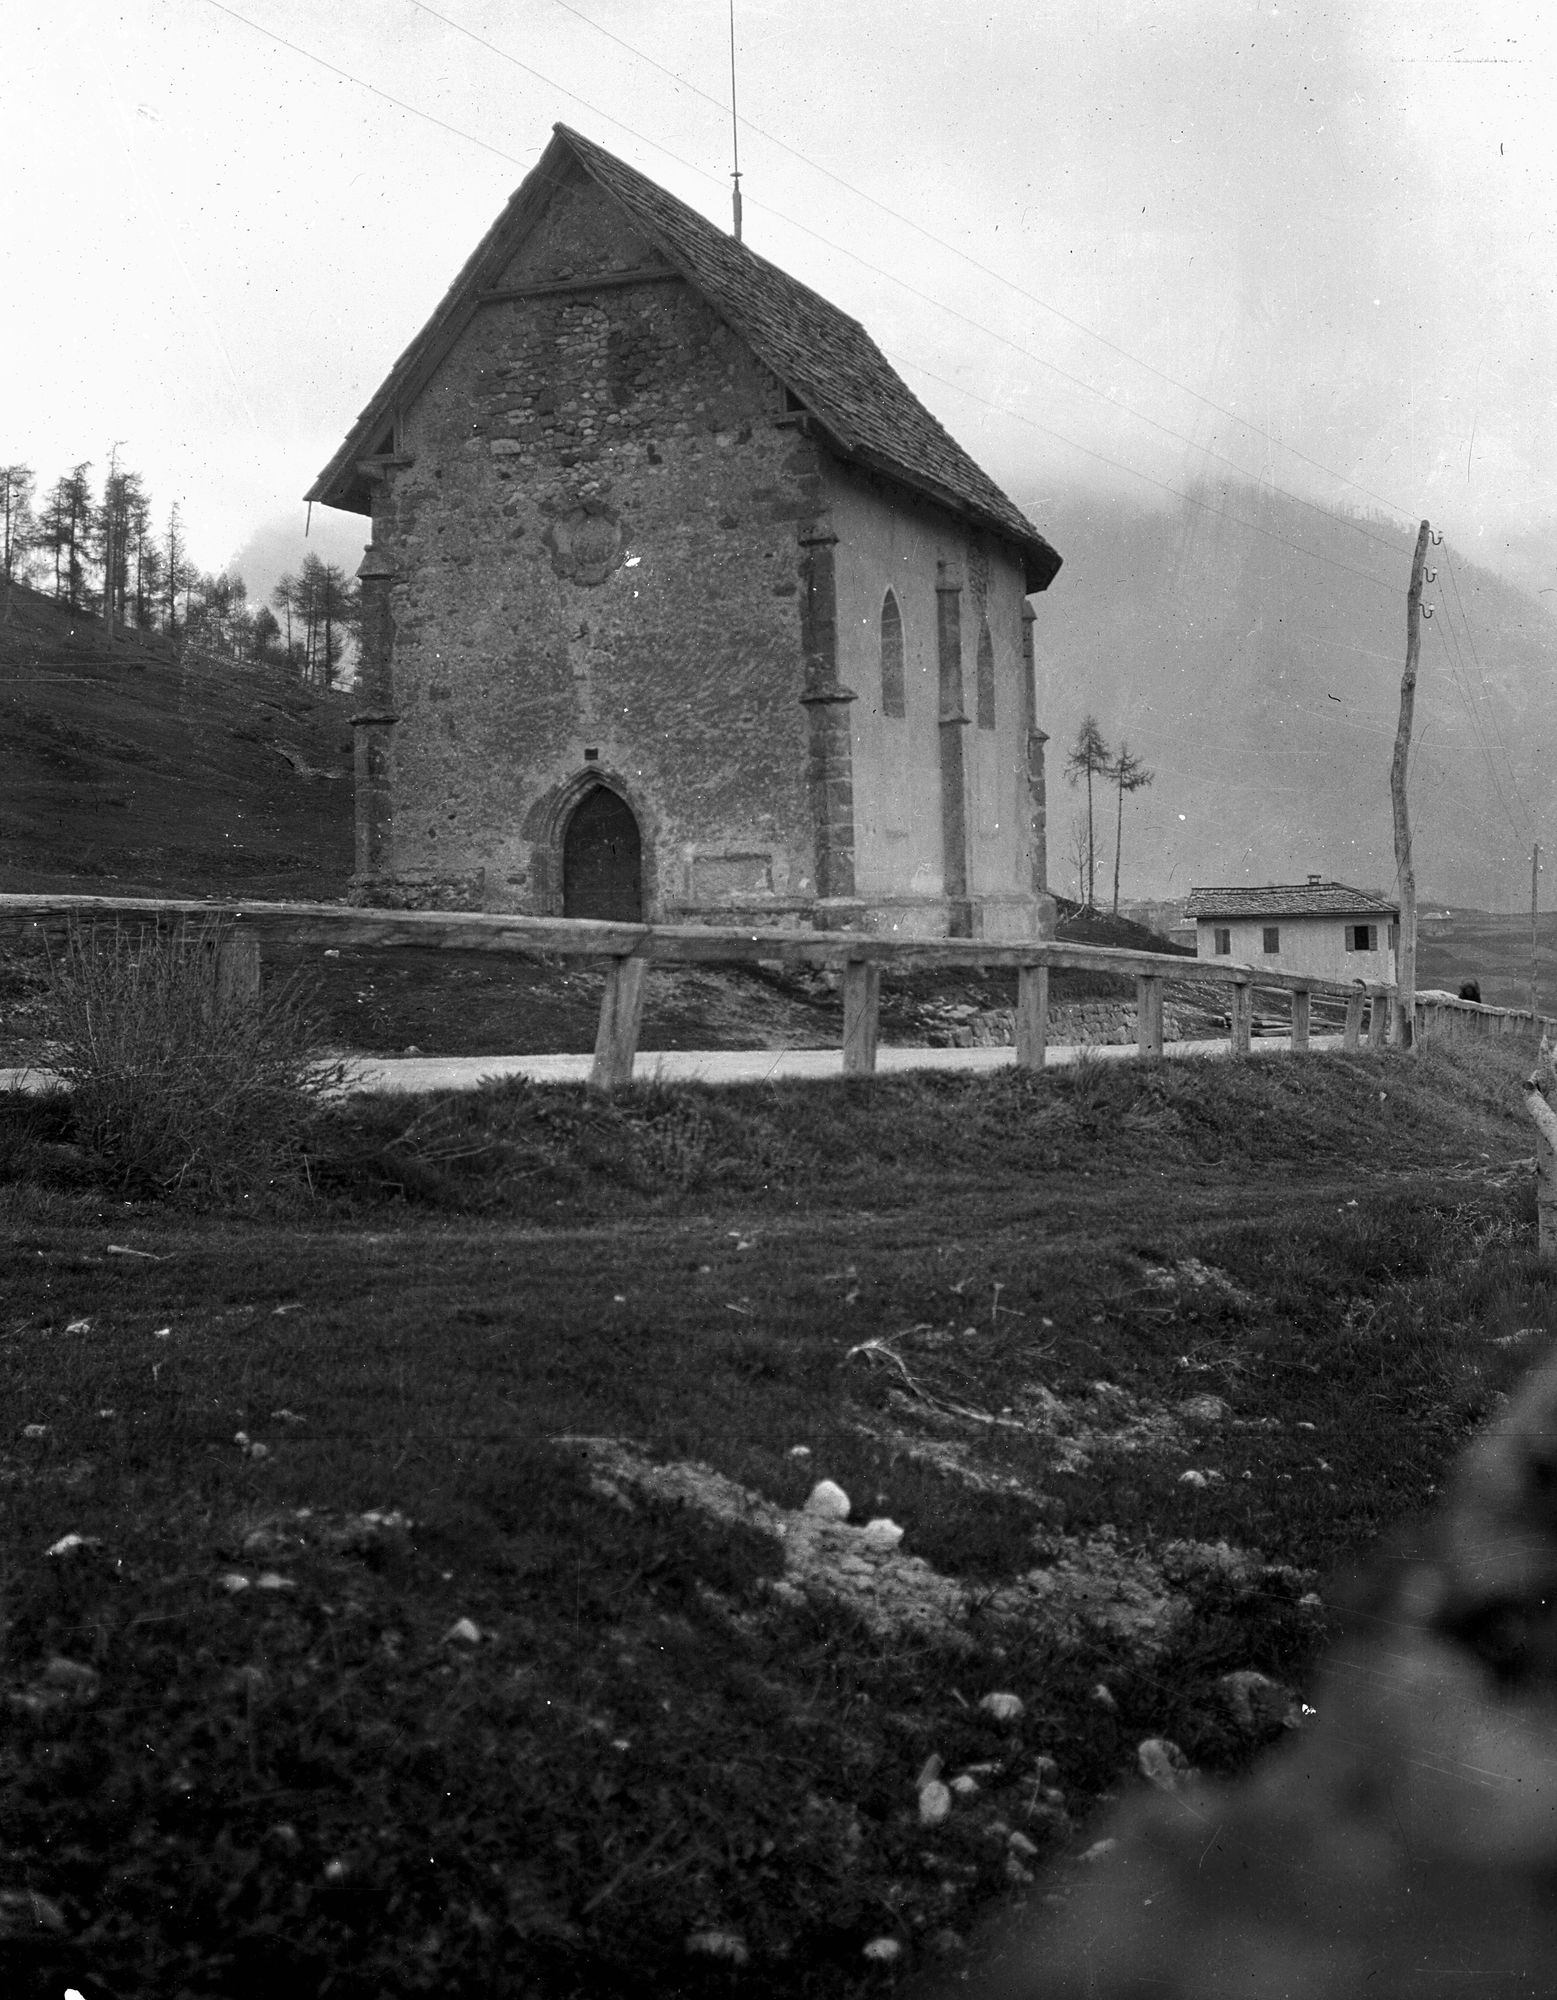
(602, 861)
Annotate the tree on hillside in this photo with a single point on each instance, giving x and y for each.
(124, 500)
(1090, 757)
(65, 532)
(265, 638)
(145, 560)
(330, 604)
(1130, 775)
(177, 572)
(17, 526)
(1076, 852)
(286, 598)
(217, 614)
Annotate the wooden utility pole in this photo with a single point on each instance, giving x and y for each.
(1535, 874)
(1405, 957)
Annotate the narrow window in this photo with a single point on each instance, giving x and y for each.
(1224, 944)
(1272, 939)
(892, 702)
(986, 677)
(1362, 937)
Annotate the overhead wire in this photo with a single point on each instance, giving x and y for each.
(975, 263)
(443, 124)
(1481, 675)
(877, 270)
(1460, 676)
(1477, 731)
(1118, 465)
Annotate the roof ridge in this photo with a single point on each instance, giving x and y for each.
(822, 355)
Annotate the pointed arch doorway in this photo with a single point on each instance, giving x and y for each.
(602, 860)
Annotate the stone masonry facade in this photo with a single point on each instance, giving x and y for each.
(609, 551)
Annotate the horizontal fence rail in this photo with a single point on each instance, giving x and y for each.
(628, 950)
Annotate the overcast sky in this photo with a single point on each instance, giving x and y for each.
(1104, 240)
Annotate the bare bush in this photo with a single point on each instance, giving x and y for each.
(181, 1083)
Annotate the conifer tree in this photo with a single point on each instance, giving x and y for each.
(1090, 757)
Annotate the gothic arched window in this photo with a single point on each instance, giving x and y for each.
(892, 696)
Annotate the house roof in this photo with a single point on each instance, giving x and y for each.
(825, 359)
(1288, 899)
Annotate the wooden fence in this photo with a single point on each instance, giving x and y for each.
(630, 949)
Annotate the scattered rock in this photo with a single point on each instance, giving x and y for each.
(828, 1502)
(72, 1677)
(1003, 1707)
(935, 1803)
(70, 1545)
(719, 1944)
(1163, 1764)
(465, 1630)
(1257, 1703)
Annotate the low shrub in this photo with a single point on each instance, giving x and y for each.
(182, 1084)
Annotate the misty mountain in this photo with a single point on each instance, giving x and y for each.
(1249, 648)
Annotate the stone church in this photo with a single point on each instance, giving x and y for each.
(679, 605)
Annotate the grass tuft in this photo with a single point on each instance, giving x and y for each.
(181, 1086)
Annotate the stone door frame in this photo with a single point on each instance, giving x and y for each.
(546, 826)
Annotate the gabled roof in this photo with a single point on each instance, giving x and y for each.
(823, 357)
(1288, 899)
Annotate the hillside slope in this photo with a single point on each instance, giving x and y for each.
(1250, 649)
(126, 773)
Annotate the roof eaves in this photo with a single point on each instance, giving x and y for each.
(421, 356)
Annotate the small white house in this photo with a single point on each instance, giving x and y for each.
(1322, 928)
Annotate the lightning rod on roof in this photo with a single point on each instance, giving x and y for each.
(735, 135)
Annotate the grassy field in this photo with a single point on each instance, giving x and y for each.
(407, 1588)
(126, 773)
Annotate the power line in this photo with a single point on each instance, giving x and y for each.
(877, 270)
(1118, 465)
(443, 125)
(1480, 737)
(1450, 638)
(952, 249)
(1481, 673)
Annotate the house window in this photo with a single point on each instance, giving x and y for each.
(1362, 937)
(1222, 943)
(986, 677)
(1272, 939)
(892, 702)
(1394, 936)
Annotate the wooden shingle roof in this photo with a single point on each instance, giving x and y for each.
(825, 358)
(1288, 899)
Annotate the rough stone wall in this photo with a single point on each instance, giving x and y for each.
(596, 549)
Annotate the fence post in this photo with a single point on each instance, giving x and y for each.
(1351, 1038)
(1545, 1161)
(1378, 1020)
(861, 1015)
(621, 1014)
(1148, 1014)
(1032, 1016)
(1242, 1016)
(237, 969)
(1300, 999)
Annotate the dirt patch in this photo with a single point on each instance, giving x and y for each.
(1087, 1589)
